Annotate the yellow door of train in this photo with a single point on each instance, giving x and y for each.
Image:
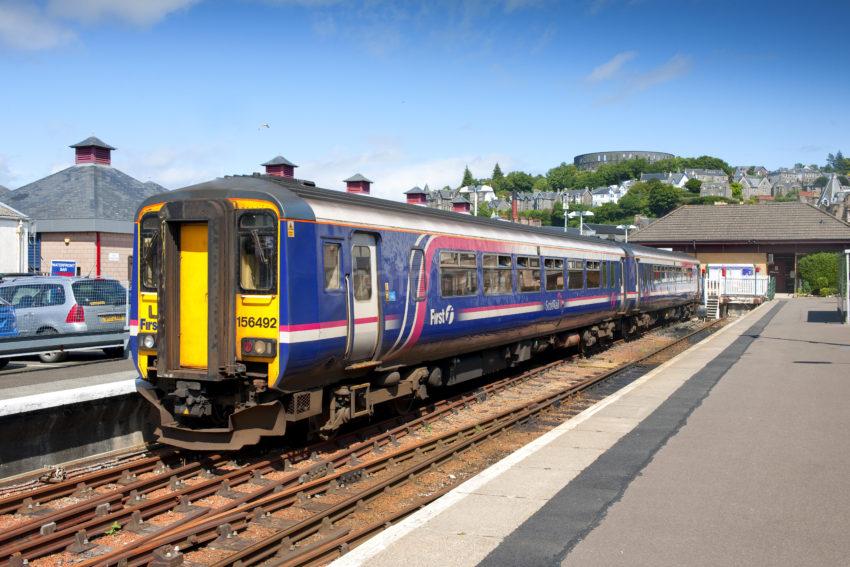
(194, 294)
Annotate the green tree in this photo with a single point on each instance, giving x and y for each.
(737, 191)
(635, 201)
(497, 172)
(562, 176)
(484, 209)
(608, 212)
(751, 170)
(693, 185)
(468, 180)
(517, 181)
(541, 184)
(798, 165)
(557, 218)
(821, 181)
(663, 199)
(820, 271)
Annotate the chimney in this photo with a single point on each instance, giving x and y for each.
(460, 205)
(92, 150)
(358, 184)
(514, 211)
(417, 196)
(279, 166)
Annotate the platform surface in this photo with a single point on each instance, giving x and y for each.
(736, 452)
(64, 383)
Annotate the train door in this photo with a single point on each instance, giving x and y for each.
(622, 276)
(194, 294)
(638, 282)
(363, 317)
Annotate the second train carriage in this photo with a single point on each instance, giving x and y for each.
(261, 301)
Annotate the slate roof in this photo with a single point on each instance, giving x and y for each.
(459, 200)
(92, 141)
(7, 212)
(416, 191)
(769, 222)
(599, 228)
(83, 198)
(355, 178)
(658, 176)
(279, 160)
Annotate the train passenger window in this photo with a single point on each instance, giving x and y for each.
(575, 274)
(528, 273)
(257, 251)
(605, 281)
(458, 274)
(554, 274)
(593, 274)
(151, 252)
(497, 274)
(362, 279)
(417, 275)
(331, 262)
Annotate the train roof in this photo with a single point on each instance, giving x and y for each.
(299, 200)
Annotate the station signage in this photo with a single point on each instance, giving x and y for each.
(63, 268)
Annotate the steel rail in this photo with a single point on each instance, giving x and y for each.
(32, 541)
(204, 530)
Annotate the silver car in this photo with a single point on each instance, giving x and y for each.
(57, 304)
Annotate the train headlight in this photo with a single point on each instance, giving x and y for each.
(259, 347)
(148, 341)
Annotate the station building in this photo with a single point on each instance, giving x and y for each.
(772, 236)
(83, 214)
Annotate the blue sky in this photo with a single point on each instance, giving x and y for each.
(408, 93)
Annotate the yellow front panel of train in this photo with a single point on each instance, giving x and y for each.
(194, 264)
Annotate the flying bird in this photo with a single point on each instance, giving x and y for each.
(266, 125)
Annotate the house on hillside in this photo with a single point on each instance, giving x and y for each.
(715, 182)
(84, 213)
(675, 179)
(602, 195)
(755, 186)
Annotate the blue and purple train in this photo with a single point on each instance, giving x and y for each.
(260, 302)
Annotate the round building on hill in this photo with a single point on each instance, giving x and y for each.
(594, 160)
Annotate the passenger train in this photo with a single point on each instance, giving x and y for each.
(259, 302)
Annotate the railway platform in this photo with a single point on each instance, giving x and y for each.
(734, 452)
(80, 410)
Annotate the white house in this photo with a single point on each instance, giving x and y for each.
(602, 195)
(14, 240)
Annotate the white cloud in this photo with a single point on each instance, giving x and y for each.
(675, 67)
(610, 68)
(23, 26)
(137, 12)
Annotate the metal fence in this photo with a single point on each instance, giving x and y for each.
(48, 315)
(757, 286)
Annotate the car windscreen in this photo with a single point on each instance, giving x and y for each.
(99, 292)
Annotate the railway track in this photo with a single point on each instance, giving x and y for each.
(285, 509)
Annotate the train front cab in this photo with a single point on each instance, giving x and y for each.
(208, 312)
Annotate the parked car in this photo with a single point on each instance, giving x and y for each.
(47, 305)
(8, 325)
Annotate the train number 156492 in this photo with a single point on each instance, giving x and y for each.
(263, 322)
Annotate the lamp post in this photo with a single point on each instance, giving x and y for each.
(475, 189)
(565, 202)
(580, 215)
(627, 228)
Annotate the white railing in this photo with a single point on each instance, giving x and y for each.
(756, 286)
